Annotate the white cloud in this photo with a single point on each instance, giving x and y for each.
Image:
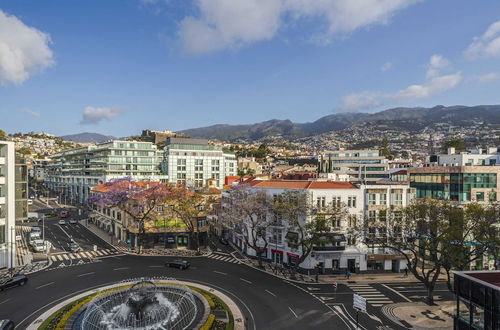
(234, 23)
(32, 113)
(436, 64)
(370, 100)
(486, 78)
(93, 115)
(386, 67)
(24, 50)
(487, 45)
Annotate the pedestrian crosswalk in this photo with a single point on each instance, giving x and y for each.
(223, 257)
(373, 296)
(83, 255)
(22, 248)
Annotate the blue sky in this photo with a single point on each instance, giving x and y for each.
(119, 66)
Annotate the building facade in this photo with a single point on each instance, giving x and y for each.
(462, 184)
(475, 157)
(192, 162)
(72, 173)
(7, 204)
(477, 300)
(361, 166)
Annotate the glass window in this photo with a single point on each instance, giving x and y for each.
(351, 201)
(372, 199)
(480, 196)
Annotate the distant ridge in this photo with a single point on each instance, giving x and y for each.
(409, 119)
(87, 137)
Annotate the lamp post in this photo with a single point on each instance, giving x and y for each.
(12, 238)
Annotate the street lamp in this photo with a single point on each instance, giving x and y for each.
(12, 238)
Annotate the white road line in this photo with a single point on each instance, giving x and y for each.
(215, 271)
(87, 254)
(65, 256)
(247, 281)
(3, 302)
(99, 253)
(53, 258)
(42, 286)
(59, 257)
(291, 310)
(86, 274)
(272, 294)
(373, 295)
(121, 268)
(399, 294)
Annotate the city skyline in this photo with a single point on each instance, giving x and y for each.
(119, 67)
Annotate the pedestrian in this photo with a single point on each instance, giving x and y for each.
(348, 274)
(345, 274)
(406, 271)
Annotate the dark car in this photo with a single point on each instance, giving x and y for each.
(74, 247)
(16, 280)
(181, 264)
(223, 241)
(7, 325)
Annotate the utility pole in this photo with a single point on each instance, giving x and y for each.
(12, 238)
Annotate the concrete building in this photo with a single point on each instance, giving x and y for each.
(361, 166)
(248, 165)
(72, 173)
(475, 157)
(7, 205)
(193, 162)
(462, 184)
(158, 137)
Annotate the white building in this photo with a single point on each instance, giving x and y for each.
(350, 250)
(193, 161)
(72, 173)
(475, 157)
(7, 205)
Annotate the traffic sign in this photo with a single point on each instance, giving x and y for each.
(359, 302)
(334, 285)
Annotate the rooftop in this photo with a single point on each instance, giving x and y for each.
(302, 184)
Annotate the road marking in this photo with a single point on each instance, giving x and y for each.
(121, 268)
(86, 274)
(3, 302)
(373, 295)
(65, 257)
(215, 271)
(245, 280)
(291, 310)
(399, 294)
(99, 253)
(42, 286)
(272, 294)
(312, 289)
(59, 257)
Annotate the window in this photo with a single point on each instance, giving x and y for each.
(198, 175)
(383, 199)
(181, 176)
(480, 196)
(372, 199)
(372, 216)
(335, 221)
(351, 201)
(398, 215)
(352, 221)
(159, 209)
(321, 201)
(397, 199)
(382, 215)
(181, 165)
(336, 201)
(198, 165)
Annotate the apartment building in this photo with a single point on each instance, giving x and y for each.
(476, 157)
(362, 166)
(195, 163)
(72, 173)
(7, 205)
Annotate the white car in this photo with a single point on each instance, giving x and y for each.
(62, 222)
(30, 202)
(38, 245)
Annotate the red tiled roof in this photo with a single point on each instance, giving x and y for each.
(401, 172)
(289, 184)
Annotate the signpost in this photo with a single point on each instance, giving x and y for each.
(360, 304)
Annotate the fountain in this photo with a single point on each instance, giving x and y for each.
(143, 304)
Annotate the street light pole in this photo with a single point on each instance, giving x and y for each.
(12, 237)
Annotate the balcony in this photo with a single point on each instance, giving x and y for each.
(329, 248)
(2, 160)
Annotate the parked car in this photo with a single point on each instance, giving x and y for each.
(181, 264)
(73, 221)
(36, 229)
(32, 219)
(34, 235)
(62, 222)
(30, 202)
(16, 280)
(63, 214)
(74, 247)
(7, 325)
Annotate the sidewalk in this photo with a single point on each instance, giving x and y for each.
(26, 269)
(124, 248)
(418, 315)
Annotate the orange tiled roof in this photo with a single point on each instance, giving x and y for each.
(290, 184)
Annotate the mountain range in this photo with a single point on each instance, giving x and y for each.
(87, 137)
(409, 119)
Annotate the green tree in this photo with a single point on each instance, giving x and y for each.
(458, 144)
(384, 149)
(2, 134)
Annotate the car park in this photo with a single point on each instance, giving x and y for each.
(7, 325)
(62, 222)
(16, 280)
(178, 263)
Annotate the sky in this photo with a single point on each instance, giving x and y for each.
(119, 66)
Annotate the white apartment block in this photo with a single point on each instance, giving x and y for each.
(362, 166)
(74, 172)
(192, 162)
(7, 205)
(349, 251)
(475, 157)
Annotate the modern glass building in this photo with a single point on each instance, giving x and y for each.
(74, 172)
(456, 183)
(477, 300)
